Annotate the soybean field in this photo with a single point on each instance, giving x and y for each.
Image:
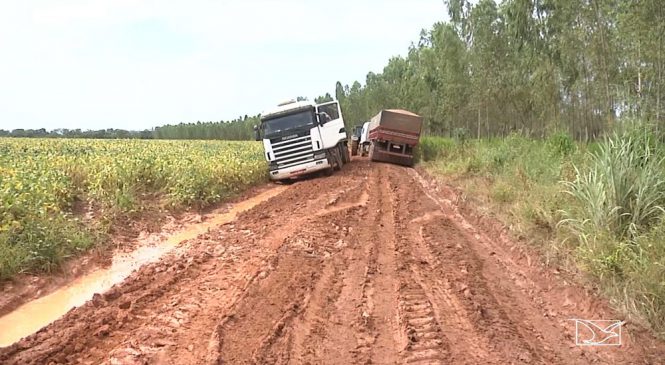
(48, 187)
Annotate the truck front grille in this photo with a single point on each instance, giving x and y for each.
(293, 151)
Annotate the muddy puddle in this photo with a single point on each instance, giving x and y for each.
(34, 315)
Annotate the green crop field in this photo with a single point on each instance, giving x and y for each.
(43, 180)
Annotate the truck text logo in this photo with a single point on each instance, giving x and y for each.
(289, 137)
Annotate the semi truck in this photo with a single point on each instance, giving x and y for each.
(355, 139)
(301, 137)
(393, 135)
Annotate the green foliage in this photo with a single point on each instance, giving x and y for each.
(503, 193)
(240, 129)
(608, 218)
(623, 191)
(528, 67)
(461, 135)
(561, 144)
(110, 133)
(432, 148)
(41, 179)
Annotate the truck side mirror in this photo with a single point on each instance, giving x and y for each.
(257, 136)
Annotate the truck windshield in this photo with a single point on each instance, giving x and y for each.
(286, 122)
(358, 131)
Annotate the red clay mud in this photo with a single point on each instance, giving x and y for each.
(374, 264)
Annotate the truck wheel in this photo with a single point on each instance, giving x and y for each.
(345, 153)
(337, 159)
(284, 182)
(371, 151)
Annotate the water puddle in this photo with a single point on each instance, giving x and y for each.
(32, 316)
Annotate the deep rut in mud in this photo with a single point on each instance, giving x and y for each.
(370, 265)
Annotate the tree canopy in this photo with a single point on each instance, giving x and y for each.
(525, 65)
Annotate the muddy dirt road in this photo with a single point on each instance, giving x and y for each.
(372, 265)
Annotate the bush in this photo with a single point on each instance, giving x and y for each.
(503, 193)
(432, 148)
(618, 221)
(623, 190)
(461, 135)
(561, 144)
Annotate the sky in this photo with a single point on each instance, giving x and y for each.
(138, 64)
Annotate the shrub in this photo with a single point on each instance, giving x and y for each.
(432, 148)
(561, 144)
(623, 190)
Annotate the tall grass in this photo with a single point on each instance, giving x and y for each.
(598, 206)
(623, 189)
(618, 222)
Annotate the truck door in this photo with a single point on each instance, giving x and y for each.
(332, 131)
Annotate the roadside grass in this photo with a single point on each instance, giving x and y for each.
(595, 208)
(44, 182)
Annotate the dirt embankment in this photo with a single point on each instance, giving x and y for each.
(371, 265)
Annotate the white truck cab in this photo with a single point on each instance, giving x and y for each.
(303, 137)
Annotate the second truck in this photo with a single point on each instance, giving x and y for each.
(393, 136)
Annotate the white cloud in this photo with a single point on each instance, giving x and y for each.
(142, 63)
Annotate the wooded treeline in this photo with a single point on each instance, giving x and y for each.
(533, 66)
(238, 129)
(241, 128)
(110, 133)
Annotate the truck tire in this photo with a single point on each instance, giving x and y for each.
(354, 148)
(345, 153)
(371, 151)
(337, 157)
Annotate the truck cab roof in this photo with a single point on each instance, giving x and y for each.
(286, 108)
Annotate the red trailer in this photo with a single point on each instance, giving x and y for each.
(394, 133)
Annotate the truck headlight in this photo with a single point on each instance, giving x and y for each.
(319, 156)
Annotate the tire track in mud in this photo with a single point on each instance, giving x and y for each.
(385, 286)
(259, 244)
(310, 256)
(134, 321)
(341, 335)
(323, 320)
(476, 324)
(505, 312)
(422, 337)
(366, 266)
